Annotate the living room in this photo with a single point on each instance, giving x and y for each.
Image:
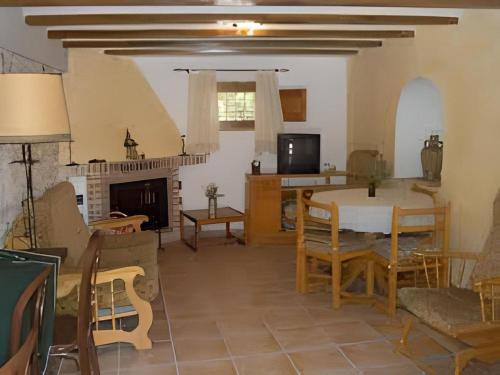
(126, 87)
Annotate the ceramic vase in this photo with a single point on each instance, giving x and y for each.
(212, 207)
(432, 158)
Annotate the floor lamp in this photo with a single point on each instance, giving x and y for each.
(32, 110)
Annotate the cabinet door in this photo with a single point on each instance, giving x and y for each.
(265, 206)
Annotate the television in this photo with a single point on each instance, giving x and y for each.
(298, 153)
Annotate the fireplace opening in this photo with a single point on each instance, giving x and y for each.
(147, 197)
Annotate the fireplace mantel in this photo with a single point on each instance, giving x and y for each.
(97, 177)
(135, 166)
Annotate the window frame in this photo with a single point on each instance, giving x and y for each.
(236, 86)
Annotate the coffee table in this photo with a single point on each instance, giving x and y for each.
(226, 215)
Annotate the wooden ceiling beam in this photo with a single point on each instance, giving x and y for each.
(480, 4)
(295, 44)
(227, 33)
(282, 18)
(166, 52)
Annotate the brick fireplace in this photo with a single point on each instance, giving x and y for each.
(93, 183)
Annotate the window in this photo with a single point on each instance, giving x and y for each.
(236, 105)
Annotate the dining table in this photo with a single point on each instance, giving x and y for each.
(360, 213)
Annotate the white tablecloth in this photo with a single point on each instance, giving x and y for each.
(360, 213)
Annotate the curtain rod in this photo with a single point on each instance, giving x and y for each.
(279, 70)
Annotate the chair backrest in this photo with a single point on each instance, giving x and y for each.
(362, 165)
(489, 264)
(328, 223)
(84, 337)
(23, 357)
(433, 224)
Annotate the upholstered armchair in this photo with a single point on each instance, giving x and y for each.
(128, 263)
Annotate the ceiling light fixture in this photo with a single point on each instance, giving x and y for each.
(244, 27)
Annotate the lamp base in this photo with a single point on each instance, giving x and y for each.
(29, 206)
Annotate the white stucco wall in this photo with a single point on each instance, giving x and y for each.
(29, 41)
(325, 81)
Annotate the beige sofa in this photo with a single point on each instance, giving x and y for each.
(60, 224)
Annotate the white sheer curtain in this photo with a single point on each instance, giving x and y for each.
(202, 122)
(268, 114)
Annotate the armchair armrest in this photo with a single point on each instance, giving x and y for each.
(467, 255)
(66, 282)
(139, 336)
(124, 273)
(117, 223)
(491, 281)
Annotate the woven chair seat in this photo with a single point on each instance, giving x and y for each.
(320, 241)
(406, 247)
(438, 306)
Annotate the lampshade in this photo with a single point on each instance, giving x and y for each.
(33, 109)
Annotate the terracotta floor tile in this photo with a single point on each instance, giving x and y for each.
(108, 361)
(150, 370)
(242, 325)
(272, 364)
(190, 328)
(161, 354)
(423, 346)
(159, 330)
(200, 349)
(395, 370)
(390, 330)
(374, 354)
(247, 296)
(322, 362)
(108, 356)
(302, 338)
(351, 332)
(252, 344)
(207, 368)
(288, 318)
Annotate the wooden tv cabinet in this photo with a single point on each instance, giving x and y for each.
(263, 205)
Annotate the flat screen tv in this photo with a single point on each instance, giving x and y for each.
(298, 153)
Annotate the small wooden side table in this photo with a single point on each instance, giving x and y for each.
(226, 215)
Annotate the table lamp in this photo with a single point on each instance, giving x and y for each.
(32, 110)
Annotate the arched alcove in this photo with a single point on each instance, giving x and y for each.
(419, 114)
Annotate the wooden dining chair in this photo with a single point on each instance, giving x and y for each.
(83, 349)
(320, 244)
(23, 358)
(396, 260)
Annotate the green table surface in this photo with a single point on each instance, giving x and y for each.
(17, 271)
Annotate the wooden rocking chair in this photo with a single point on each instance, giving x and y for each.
(467, 315)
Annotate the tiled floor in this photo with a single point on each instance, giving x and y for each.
(231, 309)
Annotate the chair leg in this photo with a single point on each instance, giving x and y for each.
(391, 297)
(305, 276)
(301, 266)
(406, 332)
(462, 358)
(370, 277)
(336, 279)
